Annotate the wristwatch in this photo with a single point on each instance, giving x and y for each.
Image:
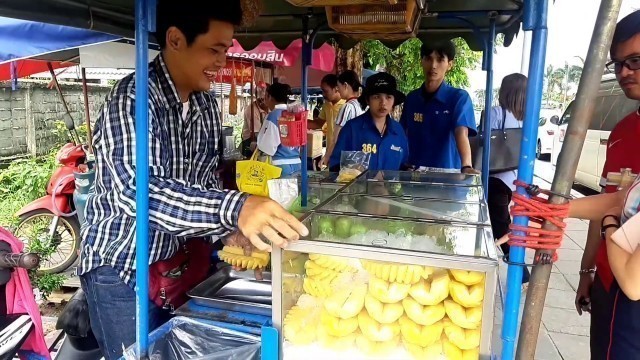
(603, 227)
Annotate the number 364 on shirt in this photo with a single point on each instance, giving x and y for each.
(369, 148)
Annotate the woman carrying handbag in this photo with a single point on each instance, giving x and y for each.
(509, 114)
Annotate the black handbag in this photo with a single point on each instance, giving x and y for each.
(505, 147)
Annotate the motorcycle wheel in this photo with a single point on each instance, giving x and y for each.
(66, 239)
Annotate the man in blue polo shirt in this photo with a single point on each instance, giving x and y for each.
(437, 117)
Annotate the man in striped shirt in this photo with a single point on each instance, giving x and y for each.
(185, 199)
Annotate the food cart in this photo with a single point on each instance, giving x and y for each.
(392, 249)
(478, 23)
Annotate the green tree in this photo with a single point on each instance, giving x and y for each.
(560, 80)
(480, 95)
(405, 64)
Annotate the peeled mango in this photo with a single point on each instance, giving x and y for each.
(234, 255)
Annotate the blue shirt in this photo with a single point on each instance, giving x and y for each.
(431, 123)
(388, 151)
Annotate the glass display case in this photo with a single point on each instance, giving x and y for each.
(321, 186)
(443, 186)
(408, 207)
(407, 279)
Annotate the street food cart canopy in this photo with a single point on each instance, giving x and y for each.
(281, 22)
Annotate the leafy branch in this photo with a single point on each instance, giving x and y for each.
(405, 64)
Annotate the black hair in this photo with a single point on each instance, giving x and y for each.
(330, 79)
(279, 92)
(625, 30)
(444, 48)
(350, 77)
(192, 17)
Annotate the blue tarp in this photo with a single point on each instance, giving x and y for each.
(21, 39)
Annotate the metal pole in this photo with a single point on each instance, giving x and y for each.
(14, 75)
(535, 19)
(526, 50)
(87, 113)
(568, 163)
(307, 51)
(145, 22)
(488, 101)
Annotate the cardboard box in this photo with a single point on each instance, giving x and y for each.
(314, 143)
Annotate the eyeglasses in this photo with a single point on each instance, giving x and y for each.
(632, 63)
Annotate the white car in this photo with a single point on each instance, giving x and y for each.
(611, 107)
(547, 129)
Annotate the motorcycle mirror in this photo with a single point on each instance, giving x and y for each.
(68, 121)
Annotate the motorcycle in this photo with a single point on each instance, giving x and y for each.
(53, 217)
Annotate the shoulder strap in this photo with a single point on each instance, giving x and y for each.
(504, 117)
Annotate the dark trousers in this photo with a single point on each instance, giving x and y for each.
(112, 311)
(601, 319)
(498, 202)
(245, 148)
(625, 326)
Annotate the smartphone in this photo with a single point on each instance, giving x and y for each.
(585, 304)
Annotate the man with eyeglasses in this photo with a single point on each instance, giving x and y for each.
(594, 292)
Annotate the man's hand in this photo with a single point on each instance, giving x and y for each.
(261, 216)
(583, 294)
(239, 240)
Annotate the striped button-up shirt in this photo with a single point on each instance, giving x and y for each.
(184, 195)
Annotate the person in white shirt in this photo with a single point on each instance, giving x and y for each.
(349, 87)
(511, 98)
(285, 157)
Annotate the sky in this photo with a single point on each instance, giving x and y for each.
(570, 25)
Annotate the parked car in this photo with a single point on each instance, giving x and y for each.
(546, 131)
(611, 107)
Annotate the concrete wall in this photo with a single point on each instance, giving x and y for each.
(28, 115)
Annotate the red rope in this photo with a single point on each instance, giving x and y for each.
(539, 210)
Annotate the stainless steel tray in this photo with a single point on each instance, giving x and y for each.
(232, 290)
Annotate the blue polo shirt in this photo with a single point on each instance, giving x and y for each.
(430, 125)
(388, 151)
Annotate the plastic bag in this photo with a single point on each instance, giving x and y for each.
(283, 191)
(252, 175)
(352, 164)
(182, 338)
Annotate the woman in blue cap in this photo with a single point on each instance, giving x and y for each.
(375, 132)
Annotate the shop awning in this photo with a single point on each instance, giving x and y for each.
(27, 46)
(281, 22)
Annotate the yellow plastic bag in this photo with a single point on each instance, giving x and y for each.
(252, 176)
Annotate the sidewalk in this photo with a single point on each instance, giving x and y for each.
(564, 335)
